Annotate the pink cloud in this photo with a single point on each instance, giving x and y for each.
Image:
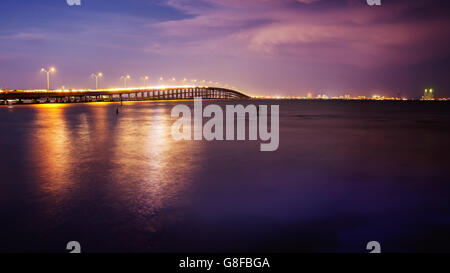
(351, 34)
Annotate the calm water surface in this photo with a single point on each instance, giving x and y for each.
(346, 173)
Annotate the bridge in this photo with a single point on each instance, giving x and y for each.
(115, 95)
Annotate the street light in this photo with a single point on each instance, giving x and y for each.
(97, 76)
(125, 78)
(145, 81)
(48, 71)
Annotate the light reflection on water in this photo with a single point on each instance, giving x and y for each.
(128, 161)
(49, 146)
(345, 174)
(152, 172)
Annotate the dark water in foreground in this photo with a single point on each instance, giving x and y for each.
(346, 173)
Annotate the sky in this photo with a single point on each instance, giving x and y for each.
(261, 47)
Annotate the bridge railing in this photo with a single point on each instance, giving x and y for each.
(173, 93)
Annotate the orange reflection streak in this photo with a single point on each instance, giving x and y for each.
(99, 126)
(66, 144)
(152, 169)
(50, 145)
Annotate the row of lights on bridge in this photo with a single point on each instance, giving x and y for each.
(126, 78)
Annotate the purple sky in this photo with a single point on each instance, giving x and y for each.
(272, 47)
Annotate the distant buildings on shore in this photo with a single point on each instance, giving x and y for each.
(429, 95)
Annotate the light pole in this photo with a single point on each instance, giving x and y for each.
(97, 76)
(145, 81)
(48, 71)
(125, 78)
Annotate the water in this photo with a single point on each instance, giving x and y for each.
(346, 173)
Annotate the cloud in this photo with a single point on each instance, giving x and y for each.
(349, 34)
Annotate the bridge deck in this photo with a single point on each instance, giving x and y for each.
(170, 93)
